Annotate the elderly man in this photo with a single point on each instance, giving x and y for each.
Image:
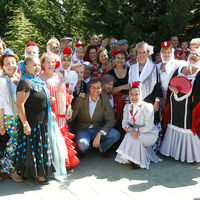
(66, 42)
(94, 120)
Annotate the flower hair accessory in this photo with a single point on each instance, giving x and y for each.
(165, 44)
(135, 84)
(57, 64)
(33, 44)
(67, 51)
(114, 51)
(80, 44)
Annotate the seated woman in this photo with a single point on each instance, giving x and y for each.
(33, 155)
(141, 133)
(8, 114)
(181, 139)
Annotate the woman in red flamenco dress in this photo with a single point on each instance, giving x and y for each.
(62, 108)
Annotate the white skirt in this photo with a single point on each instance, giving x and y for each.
(138, 151)
(181, 144)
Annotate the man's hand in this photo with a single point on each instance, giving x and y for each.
(96, 141)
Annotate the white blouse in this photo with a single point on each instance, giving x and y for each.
(5, 96)
(144, 118)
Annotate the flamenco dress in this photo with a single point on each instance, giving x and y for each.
(33, 155)
(181, 140)
(63, 99)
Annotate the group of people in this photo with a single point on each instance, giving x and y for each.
(56, 106)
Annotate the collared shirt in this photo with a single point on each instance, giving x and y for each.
(92, 106)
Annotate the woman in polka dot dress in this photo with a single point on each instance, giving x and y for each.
(33, 156)
(8, 114)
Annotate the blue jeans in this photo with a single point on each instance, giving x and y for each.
(84, 137)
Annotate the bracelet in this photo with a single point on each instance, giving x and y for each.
(158, 100)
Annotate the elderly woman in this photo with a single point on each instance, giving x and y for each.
(61, 112)
(181, 139)
(103, 59)
(121, 86)
(33, 157)
(141, 133)
(53, 45)
(8, 113)
(147, 74)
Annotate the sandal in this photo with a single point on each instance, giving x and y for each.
(16, 178)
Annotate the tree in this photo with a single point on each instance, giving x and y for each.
(21, 31)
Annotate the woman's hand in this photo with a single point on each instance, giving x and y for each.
(52, 100)
(173, 89)
(156, 106)
(68, 90)
(68, 113)
(27, 128)
(2, 130)
(134, 134)
(82, 94)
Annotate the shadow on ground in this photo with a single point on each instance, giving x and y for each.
(168, 173)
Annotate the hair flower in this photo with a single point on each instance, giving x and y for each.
(165, 44)
(135, 84)
(114, 51)
(67, 51)
(31, 44)
(57, 64)
(80, 44)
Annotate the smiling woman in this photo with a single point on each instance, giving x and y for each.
(181, 139)
(33, 158)
(8, 113)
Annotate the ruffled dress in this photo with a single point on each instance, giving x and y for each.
(181, 139)
(140, 151)
(63, 99)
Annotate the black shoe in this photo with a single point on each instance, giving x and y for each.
(134, 166)
(104, 154)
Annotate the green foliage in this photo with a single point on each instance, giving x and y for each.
(152, 21)
(21, 31)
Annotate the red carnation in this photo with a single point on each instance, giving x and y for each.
(67, 51)
(135, 84)
(57, 64)
(31, 44)
(114, 51)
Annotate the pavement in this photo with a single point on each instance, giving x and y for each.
(102, 178)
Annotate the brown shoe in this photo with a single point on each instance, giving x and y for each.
(16, 178)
